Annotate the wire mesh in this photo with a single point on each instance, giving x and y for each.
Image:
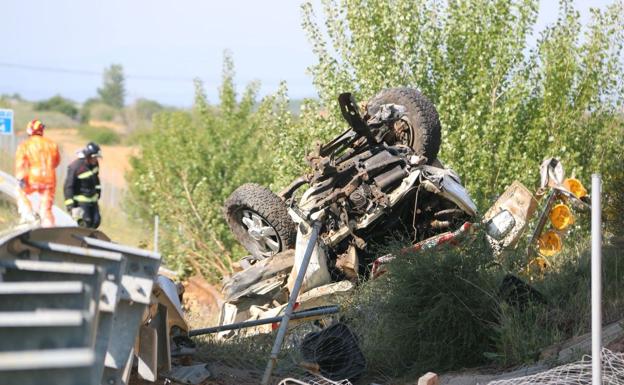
(312, 380)
(577, 373)
(315, 352)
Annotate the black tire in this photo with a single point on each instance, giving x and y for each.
(425, 130)
(250, 204)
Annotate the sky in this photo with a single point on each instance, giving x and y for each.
(62, 46)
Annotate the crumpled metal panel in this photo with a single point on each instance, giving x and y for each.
(519, 202)
(108, 288)
(194, 374)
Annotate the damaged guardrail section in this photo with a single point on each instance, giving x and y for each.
(71, 305)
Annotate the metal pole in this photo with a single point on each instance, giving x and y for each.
(247, 324)
(155, 233)
(596, 281)
(281, 333)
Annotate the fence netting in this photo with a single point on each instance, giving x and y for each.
(324, 352)
(576, 373)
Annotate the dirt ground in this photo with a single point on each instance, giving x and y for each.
(114, 164)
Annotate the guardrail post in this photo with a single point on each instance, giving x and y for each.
(281, 333)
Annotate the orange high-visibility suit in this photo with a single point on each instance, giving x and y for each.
(36, 160)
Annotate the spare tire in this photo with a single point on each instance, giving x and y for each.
(422, 118)
(259, 220)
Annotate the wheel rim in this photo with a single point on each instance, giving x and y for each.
(403, 131)
(263, 235)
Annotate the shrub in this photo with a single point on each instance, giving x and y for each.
(85, 110)
(59, 104)
(146, 108)
(96, 110)
(138, 116)
(431, 311)
(99, 135)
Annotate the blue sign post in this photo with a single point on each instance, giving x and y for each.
(6, 122)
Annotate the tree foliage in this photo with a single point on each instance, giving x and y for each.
(192, 161)
(113, 91)
(504, 104)
(59, 104)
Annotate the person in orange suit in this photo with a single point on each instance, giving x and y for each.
(36, 160)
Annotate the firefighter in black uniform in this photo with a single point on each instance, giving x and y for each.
(82, 187)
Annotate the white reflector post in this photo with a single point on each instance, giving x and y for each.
(156, 233)
(596, 280)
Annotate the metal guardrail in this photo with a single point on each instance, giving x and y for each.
(71, 306)
(9, 186)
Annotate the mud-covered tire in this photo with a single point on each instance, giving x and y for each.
(422, 115)
(258, 205)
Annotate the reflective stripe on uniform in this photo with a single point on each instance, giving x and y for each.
(85, 199)
(86, 174)
(69, 201)
(99, 187)
(89, 173)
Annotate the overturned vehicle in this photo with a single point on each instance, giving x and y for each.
(379, 177)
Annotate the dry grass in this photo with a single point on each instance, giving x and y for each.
(124, 230)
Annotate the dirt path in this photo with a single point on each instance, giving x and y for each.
(114, 164)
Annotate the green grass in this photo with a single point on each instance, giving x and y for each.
(99, 135)
(124, 229)
(443, 310)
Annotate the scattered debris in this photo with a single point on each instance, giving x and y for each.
(518, 293)
(307, 315)
(194, 374)
(429, 379)
(508, 218)
(334, 351)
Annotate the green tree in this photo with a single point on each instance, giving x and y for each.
(504, 104)
(113, 91)
(191, 161)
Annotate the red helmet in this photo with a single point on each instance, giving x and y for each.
(35, 127)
